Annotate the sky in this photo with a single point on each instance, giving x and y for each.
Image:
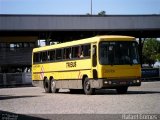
(79, 7)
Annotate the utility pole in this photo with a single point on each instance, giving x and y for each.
(91, 7)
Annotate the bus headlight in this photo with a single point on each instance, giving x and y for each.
(138, 81)
(106, 82)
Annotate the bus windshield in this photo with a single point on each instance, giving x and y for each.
(118, 53)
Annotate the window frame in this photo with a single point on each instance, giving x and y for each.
(63, 50)
(99, 52)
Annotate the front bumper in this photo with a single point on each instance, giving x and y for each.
(113, 83)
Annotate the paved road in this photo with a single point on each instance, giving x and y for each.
(33, 100)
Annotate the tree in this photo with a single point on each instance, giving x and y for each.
(102, 13)
(88, 14)
(151, 51)
(48, 38)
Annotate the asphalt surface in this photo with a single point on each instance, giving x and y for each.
(33, 100)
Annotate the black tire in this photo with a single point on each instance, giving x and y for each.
(47, 86)
(53, 86)
(87, 87)
(122, 90)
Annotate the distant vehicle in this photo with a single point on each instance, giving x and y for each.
(88, 64)
(156, 64)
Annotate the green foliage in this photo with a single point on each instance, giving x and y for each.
(102, 13)
(151, 50)
(88, 14)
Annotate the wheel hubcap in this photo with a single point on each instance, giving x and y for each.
(53, 85)
(87, 86)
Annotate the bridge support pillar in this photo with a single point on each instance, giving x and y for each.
(140, 50)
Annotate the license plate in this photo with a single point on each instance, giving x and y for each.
(123, 83)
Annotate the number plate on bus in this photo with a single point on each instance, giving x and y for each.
(123, 83)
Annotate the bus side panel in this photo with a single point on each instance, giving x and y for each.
(68, 74)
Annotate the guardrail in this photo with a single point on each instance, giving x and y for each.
(11, 79)
(150, 74)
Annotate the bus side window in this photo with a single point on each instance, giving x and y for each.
(75, 51)
(68, 53)
(44, 56)
(80, 52)
(86, 50)
(36, 57)
(52, 55)
(59, 54)
(64, 53)
(41, 57)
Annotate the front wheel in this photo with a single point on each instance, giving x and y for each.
(122, 90)
(87, 87)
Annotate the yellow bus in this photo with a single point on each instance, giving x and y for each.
(100, 62)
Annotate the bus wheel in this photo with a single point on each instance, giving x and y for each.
(53, 86)
(87, 87)
(47, 85)
(122, 90)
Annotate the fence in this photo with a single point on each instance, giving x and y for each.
(11, 79)
(150, 74)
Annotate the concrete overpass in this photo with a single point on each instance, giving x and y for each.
(67, 27)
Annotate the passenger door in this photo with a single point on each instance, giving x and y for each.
(94, 61)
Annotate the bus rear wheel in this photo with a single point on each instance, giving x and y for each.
(47, 85)
(87, 87)
(122, 90)
(53, 86)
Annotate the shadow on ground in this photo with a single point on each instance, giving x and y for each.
(111, 92)
(6, 97)
(15, 86)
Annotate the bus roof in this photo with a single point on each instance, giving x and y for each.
(85, 41)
